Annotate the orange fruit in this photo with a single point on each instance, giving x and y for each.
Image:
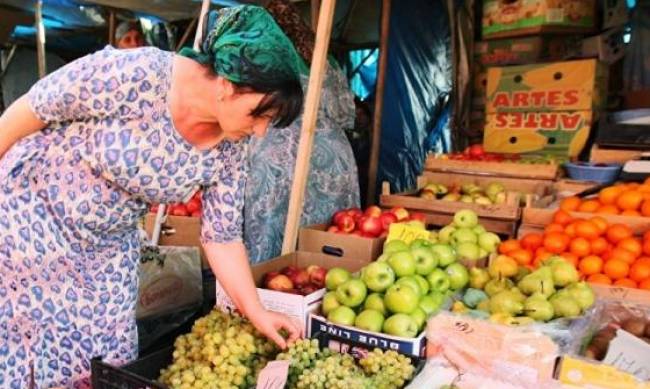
(556, 242)
(617, 232)
(625, 282)
(600, 222)
(644, 188)
(570, 204)
(646, 236)
(589, 206)
(599, 245)
(591, 264)
(571, 258)
(646, 247)
(580, 247)
(542, 253)
(616, 269)
(586, 229)
(571, 229)
(632, 245)
(531, 241)
(631, 185)
(553, 227)
(509, 245)
(608, 210)
(609, 195)
(631, 212)
(562, 217)
(522, 256)
(622, 255)
(630, 200)
(640, 270)
(645, 208)
(645, 284)
(647, 180)
(599, 279)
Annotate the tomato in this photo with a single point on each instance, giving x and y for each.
(193, 205)
(179, 210)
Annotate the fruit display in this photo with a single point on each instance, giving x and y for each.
(466, 238)
(476, 153)
(313, 368)
(508, 293)
(636, 325)
(372, 222)
(493, 193)
(296, 280)
(191, 208)
(222, 350)
(627, 199)
(603, 252)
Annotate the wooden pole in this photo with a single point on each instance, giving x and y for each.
(40, 40)
(205, 7)
(316, 76)
(111, 28)
(187, 32)
(379, 102)
(315, 7)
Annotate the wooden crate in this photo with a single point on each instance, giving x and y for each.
(493, 169)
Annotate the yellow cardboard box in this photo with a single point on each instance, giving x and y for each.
(556, 133)
(560, 86)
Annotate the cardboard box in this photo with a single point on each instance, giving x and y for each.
(556, 133)
(293, 305)
(608, 47)
(529, 17)
(523, 51)
(178, 231)
(604, 155)
(316, 239)
(344, 338)
(560, 86)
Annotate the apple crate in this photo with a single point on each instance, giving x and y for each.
(316, 239)
(346, 339)
(293, 305)
(178, 231)
(498, 170)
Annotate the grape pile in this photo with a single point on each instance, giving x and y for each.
(314, 368)
(222, 351)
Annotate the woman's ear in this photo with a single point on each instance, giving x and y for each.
(226, 89)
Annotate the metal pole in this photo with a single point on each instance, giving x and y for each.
(40, 39)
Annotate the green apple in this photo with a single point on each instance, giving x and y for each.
(458, 276)
(478, 278)
(538, 308)
(462, 235)
(482, 253)
(438, 281)
(351, 293)
(493, 189)
(444, 253)
(402, 263)
(424, 284)
(489, 241)
(412, 283)
(451, 197)
(402, 325)
(378, 276)
(433, 236)
(419, 243)
(419, 316)
(329, 303)
(466, 199)
(370, 320)
(375, 301)
(383, 258)
(335, 277)
(499, 198)
(395, 246)
(478, 230)
(468, 251)
(466, 218)
(425, 261)
(401, 299)
(429, 304)
(342, 315)
(445, 233)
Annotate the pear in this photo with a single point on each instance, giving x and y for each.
(506, 302)
(458, 307)
(520, 296)
(478, 278)
(538, 308)
(495, 286)
(582, 294)
(519, 321)
(521, 273)
(564, 273)
(473, 297)
(499, 318)
(503, 266)
(539, 281)
(565, 306)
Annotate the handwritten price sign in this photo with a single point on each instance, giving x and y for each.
(406, 233)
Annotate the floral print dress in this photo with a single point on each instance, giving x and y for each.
(70, 200)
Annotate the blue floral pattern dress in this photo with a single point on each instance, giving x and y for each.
(70, 200)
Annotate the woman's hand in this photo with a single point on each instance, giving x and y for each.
(269, 323)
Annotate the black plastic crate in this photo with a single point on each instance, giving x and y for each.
(140, 374)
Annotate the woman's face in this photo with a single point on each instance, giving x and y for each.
(234, 115)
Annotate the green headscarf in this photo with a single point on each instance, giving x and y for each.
(246, 43)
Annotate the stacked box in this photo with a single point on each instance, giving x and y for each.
(543, 108)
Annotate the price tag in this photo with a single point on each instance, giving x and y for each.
(629, 354)
(274, 375)
(406, 233)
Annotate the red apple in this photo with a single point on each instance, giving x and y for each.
(476, 150)
(299, 278)
(317, 275)
(280, 283)
(269, 276)
(371, 226)
(334, 229)
(373, 210)
(346, 223)
(308, 289)
(401, 213)
(386, 219)
(289, 270)
(418, 216)
(355, 213)
(337, 217)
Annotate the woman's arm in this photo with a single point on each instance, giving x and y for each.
(229, 262)
(17, 122)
